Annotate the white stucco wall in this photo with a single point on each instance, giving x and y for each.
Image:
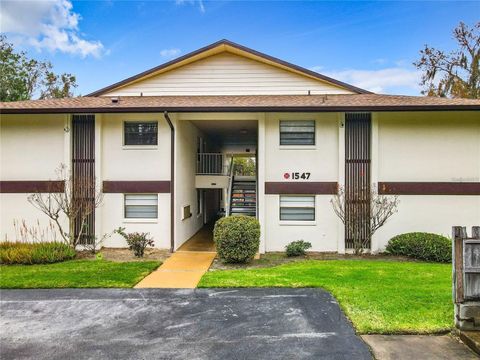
(321, 160)
(407, 146)
(429, 147)
(32, 147)
(133, 163)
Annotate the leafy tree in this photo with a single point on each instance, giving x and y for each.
(21, 77)
(244, 166)
(455, 74)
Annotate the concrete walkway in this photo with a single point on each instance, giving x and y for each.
(185, 268)
(425, 347)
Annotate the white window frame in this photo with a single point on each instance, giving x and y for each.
(200, 195)
(138, 220)
(298, 222)
(139, 147)
(298, 146)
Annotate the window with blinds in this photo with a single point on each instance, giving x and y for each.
(140, 133)
(297, 132)
(297, 208)
(141, 206)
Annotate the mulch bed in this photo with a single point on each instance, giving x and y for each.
(278, 258)
(125, 255)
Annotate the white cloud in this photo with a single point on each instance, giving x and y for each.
(317, 68)
(388, 80)
(169, 53)
(192, 2)
(50, 25)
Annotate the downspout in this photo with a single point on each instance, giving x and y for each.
(172, 181)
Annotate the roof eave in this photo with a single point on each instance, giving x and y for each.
(379, 108)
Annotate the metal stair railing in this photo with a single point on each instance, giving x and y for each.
(230, 187)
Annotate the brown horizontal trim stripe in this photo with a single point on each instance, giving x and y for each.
(299, 187)
(31, 186)
(136, 186)
(429, 188)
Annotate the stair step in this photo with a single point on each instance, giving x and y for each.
(243, 199)
(243, 211)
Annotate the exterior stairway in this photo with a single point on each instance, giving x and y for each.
(243, 196)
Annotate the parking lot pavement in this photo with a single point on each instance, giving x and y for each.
(175, 324)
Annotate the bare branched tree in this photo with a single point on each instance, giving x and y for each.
(75, 200)
(363, 218)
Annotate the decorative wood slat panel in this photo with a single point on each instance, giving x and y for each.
(357, 177)
(83, 169)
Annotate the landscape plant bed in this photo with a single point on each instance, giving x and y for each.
(76, 274)
(278, 258)
(126, 255)
(379, 296)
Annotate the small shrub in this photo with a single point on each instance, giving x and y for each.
(237, 238)
(297, 248)
(424, 246)
(137, 242)
(34, 253)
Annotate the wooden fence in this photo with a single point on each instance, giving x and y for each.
(466, 277)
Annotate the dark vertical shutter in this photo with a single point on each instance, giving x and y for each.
(83, 169)
(357, 177)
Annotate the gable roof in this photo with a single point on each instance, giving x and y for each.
(227, 46)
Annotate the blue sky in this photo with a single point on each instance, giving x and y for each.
(369, 44)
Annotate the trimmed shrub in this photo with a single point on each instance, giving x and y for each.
(237, 238)
(137, 242)
(34, 253)
(297, 248)
(423, 246)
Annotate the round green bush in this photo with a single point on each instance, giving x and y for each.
(34, 253)
(423, 246)
(237, 238)
(297, 248)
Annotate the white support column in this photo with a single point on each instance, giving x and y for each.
(261, 180)
(341, 179)
(67, 142)
(175, 118)
(98, 174)
(374, 170)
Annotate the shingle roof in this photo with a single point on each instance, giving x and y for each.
(354, 102)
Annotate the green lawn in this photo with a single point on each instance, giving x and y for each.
(377, 296)
(76, 274)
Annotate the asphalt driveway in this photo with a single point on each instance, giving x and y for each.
(175, 324)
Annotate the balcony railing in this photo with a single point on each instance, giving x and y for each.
(211, 164)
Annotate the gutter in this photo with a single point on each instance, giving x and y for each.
(172, 181)
(213, 109)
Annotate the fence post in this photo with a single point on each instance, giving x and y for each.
(458, 234)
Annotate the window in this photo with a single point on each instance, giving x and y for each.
(199, 201)
(297, 208)
(140, 133)
(297, 132)
(141, 206)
